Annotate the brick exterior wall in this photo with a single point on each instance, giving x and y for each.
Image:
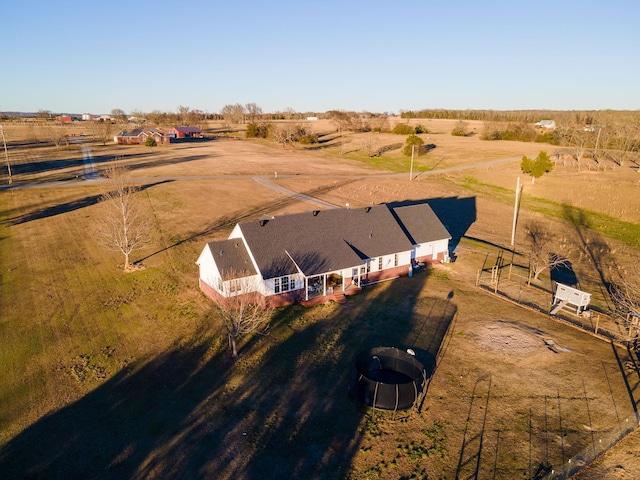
(272, 301)
(295, 296)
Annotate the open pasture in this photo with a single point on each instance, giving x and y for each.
(111, 375)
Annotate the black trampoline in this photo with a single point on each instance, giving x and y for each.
(388, 378)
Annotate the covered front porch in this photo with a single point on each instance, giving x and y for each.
(333, 283)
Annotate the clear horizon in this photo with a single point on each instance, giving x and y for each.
(77, 57)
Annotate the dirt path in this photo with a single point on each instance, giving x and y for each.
(266, 182)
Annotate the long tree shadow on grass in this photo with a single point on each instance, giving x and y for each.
(73, 167)
(63, 208)
(280, 411)
(33, 166)
(592, 245)
(306, 425)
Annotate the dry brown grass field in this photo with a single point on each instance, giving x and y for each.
(114, 375)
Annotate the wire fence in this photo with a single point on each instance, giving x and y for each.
(512, 283)
(600, 443)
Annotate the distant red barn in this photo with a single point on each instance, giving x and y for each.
(186, 132)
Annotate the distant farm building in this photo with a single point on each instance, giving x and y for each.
(139, 136)
(185, 132)
(548, 124)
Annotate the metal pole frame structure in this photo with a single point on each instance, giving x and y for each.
(6, 154)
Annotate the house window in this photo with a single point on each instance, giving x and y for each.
(380, 263)
(395, 260)
(283, 284)
(234, 286)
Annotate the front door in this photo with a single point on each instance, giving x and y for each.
(355, 273)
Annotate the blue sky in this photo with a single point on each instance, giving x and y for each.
(85, 56)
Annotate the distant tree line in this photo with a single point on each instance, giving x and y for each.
(595, 134)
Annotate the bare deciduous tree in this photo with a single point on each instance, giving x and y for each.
(290, 113)
(119, 115)
(123, 226)
(579, 142)
(254, 112)
(624, 140)
(58, 136)
(380, 124)
(240, 311)
(540, 250)
(367, 145)
(232, 114)
(625, 293)
(102, 130)
(460, 129)
(183, 114)
(288, 134)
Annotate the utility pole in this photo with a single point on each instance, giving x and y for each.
(6, 154)
(513, 228)
(515, 212)
(411, 169)
(595, 151)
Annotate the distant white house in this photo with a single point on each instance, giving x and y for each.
(323, 254)
(548, 124)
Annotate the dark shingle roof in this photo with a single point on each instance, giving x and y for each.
(187, 129)
(323, 241)
(136, 132)
(420, 223)
(232, 258)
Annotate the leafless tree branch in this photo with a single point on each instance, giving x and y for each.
(123, 226)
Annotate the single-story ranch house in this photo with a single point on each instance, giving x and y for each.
(322, 255)
(185, 132)
(139, 136)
